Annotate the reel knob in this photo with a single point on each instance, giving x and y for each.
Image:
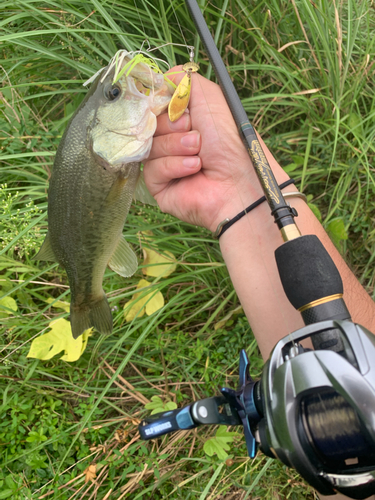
(244, 402)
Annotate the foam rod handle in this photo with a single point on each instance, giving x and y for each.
(312, 284)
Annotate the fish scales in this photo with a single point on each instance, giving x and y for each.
(91, 190)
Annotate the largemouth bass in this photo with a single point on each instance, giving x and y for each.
(95, 175)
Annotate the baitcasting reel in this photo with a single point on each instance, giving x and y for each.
(312, 409)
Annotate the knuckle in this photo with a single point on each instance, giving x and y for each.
(169, 144)
(166, 167)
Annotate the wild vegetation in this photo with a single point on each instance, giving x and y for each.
(68, 430)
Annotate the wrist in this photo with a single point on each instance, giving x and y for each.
(247, 189)
(227, 223)
(235, 200)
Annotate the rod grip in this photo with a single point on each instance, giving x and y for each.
(313, 285)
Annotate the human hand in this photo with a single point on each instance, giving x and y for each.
(198, 169)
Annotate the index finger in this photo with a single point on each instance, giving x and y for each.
(165, 126)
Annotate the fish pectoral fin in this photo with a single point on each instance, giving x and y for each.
(123, 261)
(141, 193)
(45, 252)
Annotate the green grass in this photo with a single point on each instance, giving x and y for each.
(306, 82)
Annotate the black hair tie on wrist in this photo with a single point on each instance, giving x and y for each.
(226, 224)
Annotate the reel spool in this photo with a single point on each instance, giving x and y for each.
(334, 429)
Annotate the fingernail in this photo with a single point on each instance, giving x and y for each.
(181, 124)
(191, 140)
(191, 162)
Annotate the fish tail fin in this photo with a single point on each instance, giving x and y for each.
(97, 314)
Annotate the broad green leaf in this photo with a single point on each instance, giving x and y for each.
(337, 227)
(315, 210)
(6, 494)
(10, 483)
(58, 339)
(143, 302)
(298, 160)
(59, 304)
(291, 168)
(5, 284)
(336, 231)
(219, 444)
(354, 121)
(158, 406)
(8, 305)
(24, 298)
(156, 402)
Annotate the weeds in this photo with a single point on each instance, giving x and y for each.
(305, 73)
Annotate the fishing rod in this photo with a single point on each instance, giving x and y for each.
(312, 409)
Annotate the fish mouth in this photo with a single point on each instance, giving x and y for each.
(142, 88)
(133, 151)
(138, 154)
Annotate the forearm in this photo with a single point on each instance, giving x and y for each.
(248, 249)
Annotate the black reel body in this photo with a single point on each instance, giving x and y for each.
(319, 409)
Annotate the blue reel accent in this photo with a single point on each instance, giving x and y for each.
(243, 401)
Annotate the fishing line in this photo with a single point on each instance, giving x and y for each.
(179, 25)
(334, 427)
(190, 47)
(139, 16)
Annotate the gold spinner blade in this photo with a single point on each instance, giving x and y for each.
(181, 96)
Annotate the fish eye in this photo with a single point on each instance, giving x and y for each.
(112, 92)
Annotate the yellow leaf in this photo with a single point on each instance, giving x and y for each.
(90, 473)
(158, 264)
(147, 235)
(136, 309)
(8, 303)
(155, 303)
(58, 339)
(59, 304)
(71, 351)
(136, 303)
(143, 301)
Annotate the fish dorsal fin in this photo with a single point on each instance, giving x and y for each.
(141, 193)
(45, 252)
(123, 261)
